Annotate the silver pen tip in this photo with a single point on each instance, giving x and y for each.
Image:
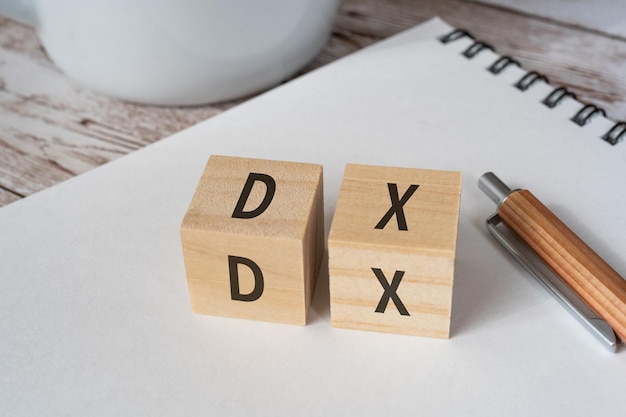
(493, 187)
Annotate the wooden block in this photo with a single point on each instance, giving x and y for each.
(392, 247)
(253, 239)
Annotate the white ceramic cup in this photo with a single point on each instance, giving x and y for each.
(178, 52)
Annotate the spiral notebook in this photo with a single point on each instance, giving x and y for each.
(95, 317)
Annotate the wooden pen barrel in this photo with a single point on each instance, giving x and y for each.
(571, 258)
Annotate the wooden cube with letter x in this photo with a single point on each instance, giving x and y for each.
(392, 248)
(253, 239)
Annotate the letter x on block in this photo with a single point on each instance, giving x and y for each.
(394, 276)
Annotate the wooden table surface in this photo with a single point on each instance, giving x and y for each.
(52, 129)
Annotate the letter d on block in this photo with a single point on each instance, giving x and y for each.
(269, 182)
(233, 269)
(277, 226)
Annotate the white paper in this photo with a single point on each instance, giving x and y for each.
(94, 312)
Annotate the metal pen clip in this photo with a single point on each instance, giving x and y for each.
(550, 280)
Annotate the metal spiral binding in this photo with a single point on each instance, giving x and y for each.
(529, 79)
(584, 114)
(475, 48)
(454, 35)
(581, 118)
(614, 135)
(501, 63)
(556, 96)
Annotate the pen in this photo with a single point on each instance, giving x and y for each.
(571, 259)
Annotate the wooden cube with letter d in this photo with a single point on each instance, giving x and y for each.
(253, 239)
(392, 247)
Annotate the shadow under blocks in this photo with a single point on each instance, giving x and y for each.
(253, 245)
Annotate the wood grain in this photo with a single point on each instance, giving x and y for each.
(285, 240)
(370, 247)
(579, 266)
(52, 128)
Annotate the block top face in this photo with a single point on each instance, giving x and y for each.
(415, 210)
(284, 214)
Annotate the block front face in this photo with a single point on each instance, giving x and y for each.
(253, 239)
(209, 258)
(391, 250)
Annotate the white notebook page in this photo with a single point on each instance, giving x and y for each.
(94, 312)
